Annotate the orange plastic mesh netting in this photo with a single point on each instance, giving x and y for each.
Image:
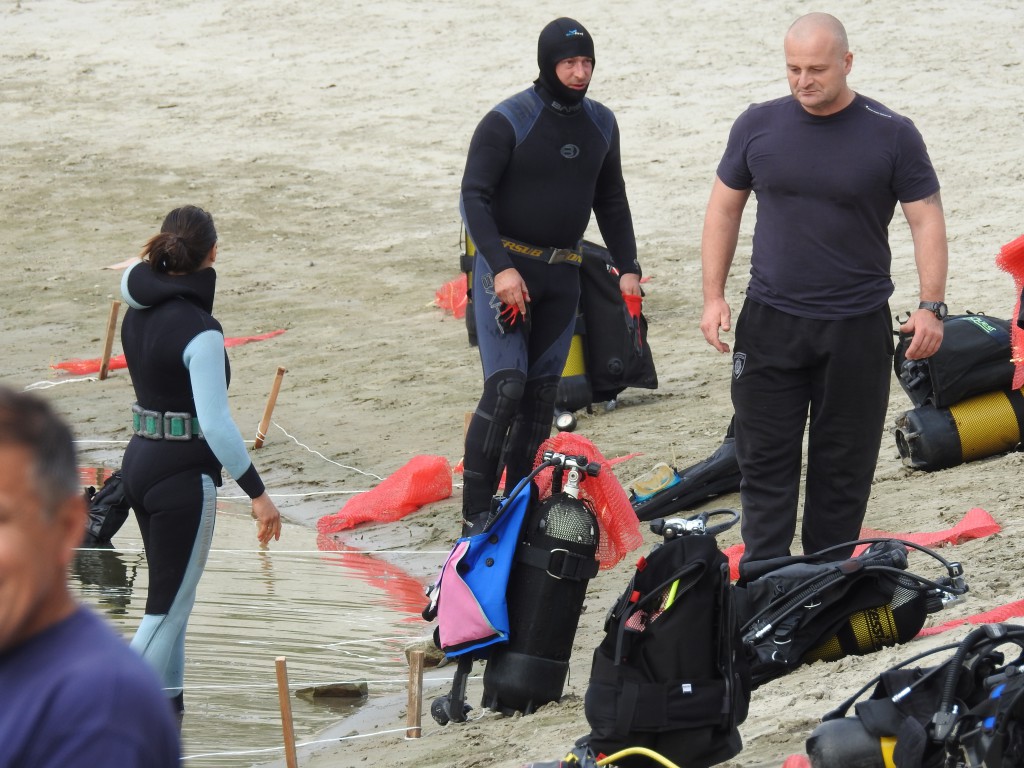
(422, 480)
(997, 615)
(82, 367)
(451, 296)
(976, 524)
(620, 528)
(1011, 260)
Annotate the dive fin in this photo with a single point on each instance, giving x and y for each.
(715, 475)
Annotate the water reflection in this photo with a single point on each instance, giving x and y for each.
(106, 577)
(333, 624)
(404, 592)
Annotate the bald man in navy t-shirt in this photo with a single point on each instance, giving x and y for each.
(814, 341)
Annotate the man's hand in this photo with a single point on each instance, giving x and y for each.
(510, 287)
(927, 330)
(717, 315)
(629, 284)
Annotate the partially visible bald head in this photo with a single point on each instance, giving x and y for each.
(815, 24)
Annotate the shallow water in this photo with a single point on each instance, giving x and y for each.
(334, 616)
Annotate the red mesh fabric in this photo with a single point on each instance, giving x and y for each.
(976, 524)
(82, 367)
(1011, 260)
(451, 296)
(620, 528)
(997, 615)
(422, 480)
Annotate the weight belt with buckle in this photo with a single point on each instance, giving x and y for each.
(165, 425)
(572, 256)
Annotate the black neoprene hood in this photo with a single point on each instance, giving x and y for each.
(563, 38)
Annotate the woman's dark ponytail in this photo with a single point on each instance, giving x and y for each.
(185, 240)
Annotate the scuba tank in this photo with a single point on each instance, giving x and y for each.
(466, 259)
(937, 438)
(554, 560)
(574, 391)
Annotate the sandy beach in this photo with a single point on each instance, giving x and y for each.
(328, 141)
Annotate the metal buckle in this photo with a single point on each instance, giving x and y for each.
(573, 256)
(551, 564)
(181, 417)
(147, 423)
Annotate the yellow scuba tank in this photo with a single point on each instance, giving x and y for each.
(984, 425)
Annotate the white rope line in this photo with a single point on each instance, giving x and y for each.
(338, 644)
(424, 734)
(294, 495)
(279, 495)
(243, 497)
(317, 453)
(49, 384)
(303, 744)
(263, 553)
(386, 681)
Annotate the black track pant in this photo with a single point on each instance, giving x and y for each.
(830, 376)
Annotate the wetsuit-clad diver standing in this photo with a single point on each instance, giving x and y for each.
(183, 429)
(538, 163)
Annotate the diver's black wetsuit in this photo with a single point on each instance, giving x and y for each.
(175, 353)
(535, 170)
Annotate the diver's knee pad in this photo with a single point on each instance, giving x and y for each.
(532, 428)
(502, 395)
(546, 390)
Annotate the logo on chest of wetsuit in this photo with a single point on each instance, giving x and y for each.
(569, 151)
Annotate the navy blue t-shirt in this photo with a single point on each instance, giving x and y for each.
(77, 696)
(826, 190)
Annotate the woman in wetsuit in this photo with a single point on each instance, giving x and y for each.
(183, 428)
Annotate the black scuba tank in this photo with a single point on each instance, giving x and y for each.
(554, 561)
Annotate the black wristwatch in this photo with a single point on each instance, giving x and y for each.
(938, 307)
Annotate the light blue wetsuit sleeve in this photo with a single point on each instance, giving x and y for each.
(125, 293)
(204, 358)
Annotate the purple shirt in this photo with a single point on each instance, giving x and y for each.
(826, 190)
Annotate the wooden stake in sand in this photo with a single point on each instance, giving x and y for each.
(108, 344)
(415, 707)
(261, 432)
(286, 713)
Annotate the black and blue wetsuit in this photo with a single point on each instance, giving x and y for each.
(535, 171)
(175, 353)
